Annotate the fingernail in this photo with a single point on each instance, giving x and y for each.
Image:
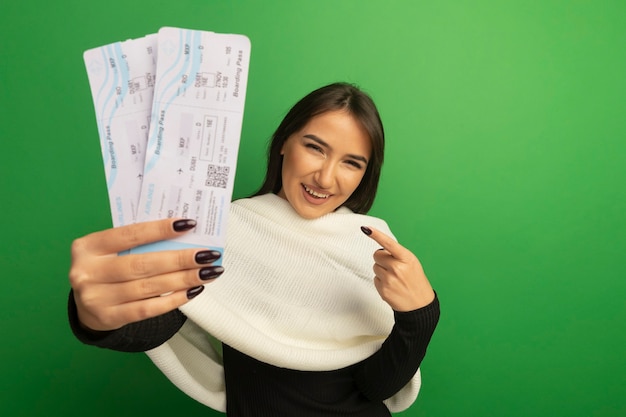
(193, 292)
(183, 225)
(366, 230)
(210, 272)
(207, 256)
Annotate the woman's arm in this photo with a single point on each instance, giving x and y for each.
(400, 280)
(383, 374)
(130, 302)
(134, 337)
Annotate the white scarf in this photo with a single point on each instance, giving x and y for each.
(296, 293)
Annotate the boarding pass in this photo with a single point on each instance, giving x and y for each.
(187, 137)
(122, 77)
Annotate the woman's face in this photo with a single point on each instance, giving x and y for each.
(324, 163)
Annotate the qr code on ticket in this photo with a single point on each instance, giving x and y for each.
(217, 176)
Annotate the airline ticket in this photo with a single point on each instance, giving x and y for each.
(190, 146)
(197, 116)
(122, 77)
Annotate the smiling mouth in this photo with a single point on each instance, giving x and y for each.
(315, 193)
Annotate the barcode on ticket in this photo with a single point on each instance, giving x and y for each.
(217, 176)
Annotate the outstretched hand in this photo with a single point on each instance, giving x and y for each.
(111, 291)
(398, 274)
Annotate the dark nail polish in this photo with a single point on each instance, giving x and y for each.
(210, 272)
(207, 256)
(366, 230)
(183, 225)
(192, 292)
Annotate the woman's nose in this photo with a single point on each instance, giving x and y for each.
(325, 175)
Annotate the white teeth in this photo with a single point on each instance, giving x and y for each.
(314, 193)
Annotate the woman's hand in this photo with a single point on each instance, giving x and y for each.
(399, 277)
(111, 291)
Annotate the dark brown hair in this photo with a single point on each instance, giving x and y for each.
(337, 96)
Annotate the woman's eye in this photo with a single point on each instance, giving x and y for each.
(314, 147)
(354, 164)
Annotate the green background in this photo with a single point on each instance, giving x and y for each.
(505, 174)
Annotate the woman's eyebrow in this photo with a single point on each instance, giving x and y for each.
(321, 142)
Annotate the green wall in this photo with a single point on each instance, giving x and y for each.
(505, 174)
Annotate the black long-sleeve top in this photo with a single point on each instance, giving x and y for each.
(255, 388)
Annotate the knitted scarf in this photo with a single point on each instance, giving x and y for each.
(296, 293)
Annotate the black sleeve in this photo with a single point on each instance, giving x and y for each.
(134, 337)
(384, 373)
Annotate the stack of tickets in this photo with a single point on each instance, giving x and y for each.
(169, 108)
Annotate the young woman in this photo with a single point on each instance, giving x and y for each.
(318, 310)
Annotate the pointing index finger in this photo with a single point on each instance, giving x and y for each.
(387, 242)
